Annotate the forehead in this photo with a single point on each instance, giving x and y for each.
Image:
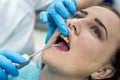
(102, 11)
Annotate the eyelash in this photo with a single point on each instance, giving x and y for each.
(96, 31)
(77, 16)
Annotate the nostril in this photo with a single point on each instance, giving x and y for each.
(74, 28)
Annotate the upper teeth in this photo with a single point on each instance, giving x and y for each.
(64, 37)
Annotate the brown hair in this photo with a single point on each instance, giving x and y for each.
(116, 64)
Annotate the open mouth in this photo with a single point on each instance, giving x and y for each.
(63, 41)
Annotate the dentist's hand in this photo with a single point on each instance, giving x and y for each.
(55, 15)
(6, 65)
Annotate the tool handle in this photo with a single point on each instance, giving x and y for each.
(19, 66)
(28, 58)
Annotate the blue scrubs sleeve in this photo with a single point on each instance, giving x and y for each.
(29, 72)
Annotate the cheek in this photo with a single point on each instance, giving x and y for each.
(88, 48)
(86, 53)
(88, 43)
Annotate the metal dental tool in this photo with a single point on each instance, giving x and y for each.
(29, 57)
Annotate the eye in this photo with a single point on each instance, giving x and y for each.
(96, 31)
(81, 14)
(77, 16)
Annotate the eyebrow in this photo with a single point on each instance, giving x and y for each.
(84, 12)
(102, 25)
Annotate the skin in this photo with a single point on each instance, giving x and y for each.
(86, 3)
(90, 50)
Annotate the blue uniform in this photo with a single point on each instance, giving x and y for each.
(29, 72)
(109, 1)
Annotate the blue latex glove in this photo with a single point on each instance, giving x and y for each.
(6, 65)
(55, 15)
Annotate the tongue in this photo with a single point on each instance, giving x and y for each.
(63, 46)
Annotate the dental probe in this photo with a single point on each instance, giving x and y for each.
(29, 57)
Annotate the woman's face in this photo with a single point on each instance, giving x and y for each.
(93, 38)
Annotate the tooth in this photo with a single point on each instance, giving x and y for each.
(65, 38)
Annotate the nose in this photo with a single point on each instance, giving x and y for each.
(73, 24)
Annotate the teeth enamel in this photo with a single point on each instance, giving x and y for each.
(64, 37)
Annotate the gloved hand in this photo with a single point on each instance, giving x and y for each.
(55, 15)
(6, 65)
